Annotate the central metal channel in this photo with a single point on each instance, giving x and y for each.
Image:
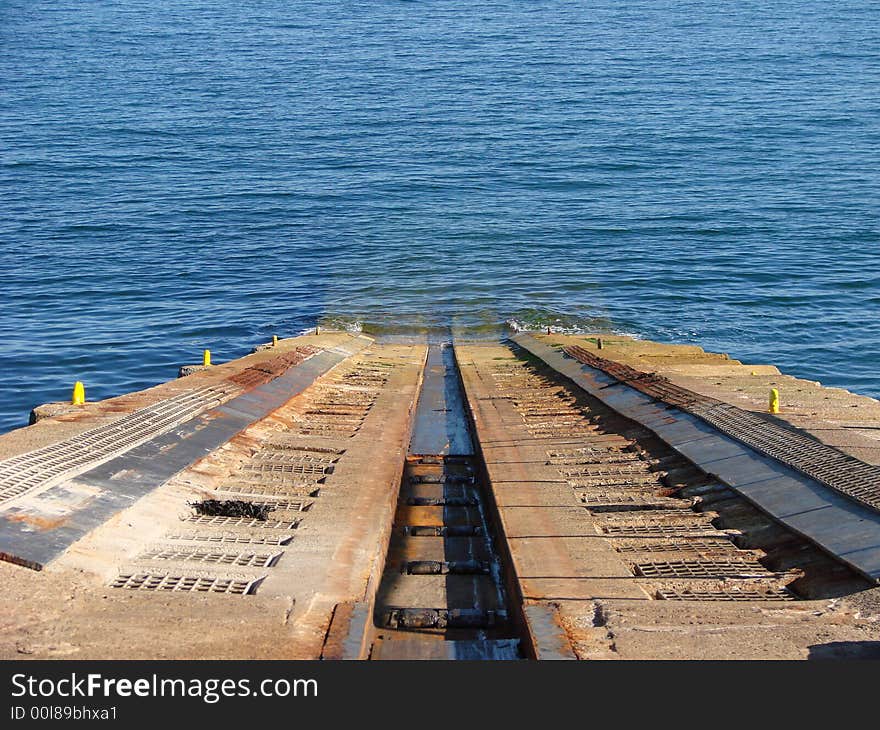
(442, 594)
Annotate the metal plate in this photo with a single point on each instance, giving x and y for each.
(26, 472)
(259, 490)
(439, 427)
(695, 546)
(242, 522)
(830, 466)
(729, 595)
(229, 538)
(701, 569)
(641, 530)
(189, 583)
(218, 557)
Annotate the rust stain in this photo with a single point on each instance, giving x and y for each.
(41, 523)
(273, 367)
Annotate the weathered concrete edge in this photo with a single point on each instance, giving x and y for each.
(349, 635)
(847, 531)
(154, 462)
(549, 641)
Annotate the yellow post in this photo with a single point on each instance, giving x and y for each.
(79, 394)
(206, 358)
(774, 400)
(274, 340)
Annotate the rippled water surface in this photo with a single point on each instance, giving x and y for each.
(180, 175)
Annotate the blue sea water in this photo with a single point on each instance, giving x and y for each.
(190, 174)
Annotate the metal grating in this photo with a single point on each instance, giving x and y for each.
(844, 473)
(631, 473)
(279, 478)
(260, 490)
(701, 569)
(34, 469)
(190, 583)
(306, 451)
(288, 468)
(598, 459)
(638, 486)
(664, 515)
(630, 503)
(287, 456)
(325, 429)
(230, 538)
(273, 503)
(244, 522)
(698, 547)
(770, 594)
(587, 454)
(640, 530)
(218, 557)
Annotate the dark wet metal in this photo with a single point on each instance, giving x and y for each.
(441, 618)
(441, 427)
(443, 531)
(450, 567)
(442, 501)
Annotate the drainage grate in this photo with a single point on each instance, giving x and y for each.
(698, 547)
(628, 485)
(833, 468)
(230, 538)
(633, 470)
(591, 460)
(191, 583)
(630, 503)
(244, 522)
(640, 530)
(197, 555)
(272, 504)
(259, 490)
(287, 456)
(626, 480)
(587, 454)
(701, 569)
(288, 468)
(325, 429)
(770, 594)
(559, 434)
(307, 452)
(664, 515)
(34, 469)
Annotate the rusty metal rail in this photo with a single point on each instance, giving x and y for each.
(831, 467)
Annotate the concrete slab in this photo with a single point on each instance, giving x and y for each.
(844, 529)
(37, 528)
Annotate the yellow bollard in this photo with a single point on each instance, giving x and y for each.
(274, 340)
(206, 358)
(79, 394)
(774, 400)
